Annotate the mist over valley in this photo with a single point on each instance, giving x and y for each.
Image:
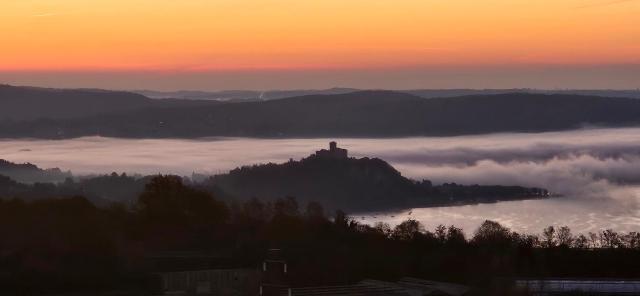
(593, 170)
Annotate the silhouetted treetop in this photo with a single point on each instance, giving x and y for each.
(166, 198)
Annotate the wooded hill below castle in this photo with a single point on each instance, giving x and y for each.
(329, 177)
(334, 179)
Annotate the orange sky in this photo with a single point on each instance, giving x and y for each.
(204, 35)
(221, 44)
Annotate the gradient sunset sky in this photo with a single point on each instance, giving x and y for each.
(267, 44)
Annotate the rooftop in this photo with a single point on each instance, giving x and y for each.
(404, 287)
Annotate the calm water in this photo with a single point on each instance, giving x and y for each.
(529, 216)
(597, 170)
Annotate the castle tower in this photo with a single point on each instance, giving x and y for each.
(334, 152)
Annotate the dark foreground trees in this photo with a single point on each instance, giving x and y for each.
(70, 244)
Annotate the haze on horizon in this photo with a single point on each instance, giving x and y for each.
(286, 44)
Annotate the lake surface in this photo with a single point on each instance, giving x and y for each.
(528, 216)
(596, 170)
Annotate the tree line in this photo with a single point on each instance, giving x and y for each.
(68, 243)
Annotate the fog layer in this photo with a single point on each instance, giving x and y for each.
(596, 170)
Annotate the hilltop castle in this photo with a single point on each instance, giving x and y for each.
(333, 152)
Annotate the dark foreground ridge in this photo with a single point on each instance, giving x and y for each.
(356, 184)
(177, 240)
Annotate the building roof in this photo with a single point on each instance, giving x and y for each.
(604, 286)
(404, 287)
(349, 290)
(445, 288)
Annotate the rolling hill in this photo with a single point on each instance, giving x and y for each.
(353, 184)
(18, 103)
(358, 114)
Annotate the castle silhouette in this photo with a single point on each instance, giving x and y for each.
(333, 152)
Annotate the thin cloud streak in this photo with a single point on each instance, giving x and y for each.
(45, 14)
(604, 4)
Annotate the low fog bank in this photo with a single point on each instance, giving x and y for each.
(594, 164)
(583, 176)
